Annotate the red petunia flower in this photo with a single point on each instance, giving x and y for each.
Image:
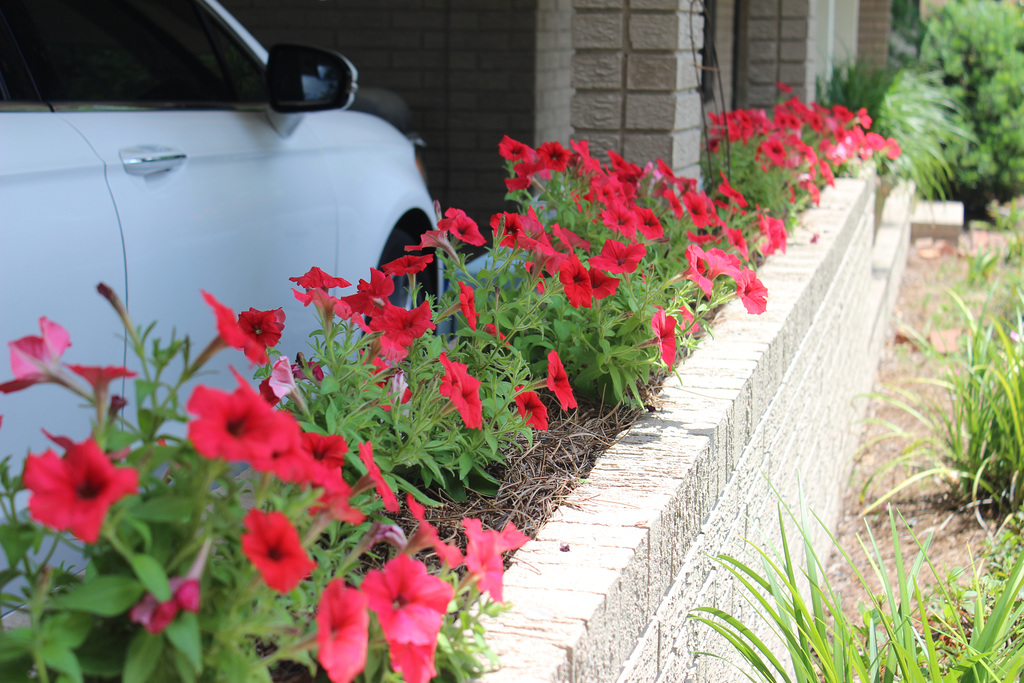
(673, 202)
(774, 229)
(272, 544)
(343, 626)
(576, 281)
(233, 334)
(464, 391)
(414, 662)
(695, 272)
(616, 257)
(720, 263)
(492, 329)
(529, 403)
(236, 426)
(650, 226)
(462, 226)
(558, 381)
(751, 292)
(602, 285)
(513, 150)
(318, 279)
(37, 359)
(410, 603)
(553, 156)
(375, 478)
(737, 240)
(327, 305)
(401, 327)
(264, 327)
(73, 493)
(664, 327)
(99, 378)
(336, 500)
(507, 227)
(620, 218)
(467, 302)
(774, 150)
(483, 553)
(371, 297)
(569, 239)
(327, 449)
(699, 208)
(435, 239)
(730, 192)
(407, 265)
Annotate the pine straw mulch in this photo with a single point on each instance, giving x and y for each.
(536, 479)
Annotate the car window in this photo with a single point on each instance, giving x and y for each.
(244, 71)
(15, 83)
(122, 51)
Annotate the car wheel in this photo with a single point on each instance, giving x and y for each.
(394, 248)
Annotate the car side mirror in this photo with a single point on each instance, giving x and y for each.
(301, 78)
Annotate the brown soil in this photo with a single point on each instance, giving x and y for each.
(958, 532)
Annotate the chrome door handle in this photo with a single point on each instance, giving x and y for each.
(149, 159)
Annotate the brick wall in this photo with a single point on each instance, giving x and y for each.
(636, 79)
(467, 68)
(873, 35)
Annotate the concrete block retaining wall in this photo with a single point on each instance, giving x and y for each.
(770, 398)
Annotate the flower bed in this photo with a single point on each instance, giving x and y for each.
(604, 275)
(603, 591)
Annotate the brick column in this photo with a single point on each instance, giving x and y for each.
(779, 49)
(873, 36)
(636, 79)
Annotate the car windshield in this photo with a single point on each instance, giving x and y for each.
(131, 51)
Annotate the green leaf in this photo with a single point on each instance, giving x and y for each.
(143, 653)
(68, 629)
(563, 329)
(117, 439)
(183, 667)
(16, 539)
(167, 508)
(144, 389)
(62, 659)
(106, 596)
(15, 644)
(152, 575)
(183, 633)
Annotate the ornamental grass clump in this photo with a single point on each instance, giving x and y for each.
(897, 636)
(973, 430)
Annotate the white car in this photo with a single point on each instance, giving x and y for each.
(138, 147)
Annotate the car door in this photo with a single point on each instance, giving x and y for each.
(59, 237)
(210, 196)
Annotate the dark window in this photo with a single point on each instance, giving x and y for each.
(244, 71)
(15, 82)
(121, 51)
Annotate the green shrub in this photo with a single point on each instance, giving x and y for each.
(979, 48)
